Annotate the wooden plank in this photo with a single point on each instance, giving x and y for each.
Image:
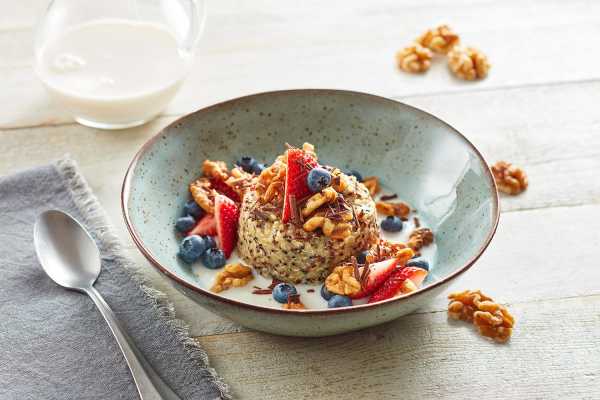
(555, 141)
(281, 45)
(268, 44)
(553, 354)
(517, 265)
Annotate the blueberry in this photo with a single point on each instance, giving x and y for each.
(339, 301)
(356, 174)
(247, 164)
(213, 258)
(419, 263)
(362, 257)
(326, 294)
(185, 224)
(258, 168)
(391, 224)
(192, 208)
(282, 291)
(191, 248)
(210, 241)
(318, 179)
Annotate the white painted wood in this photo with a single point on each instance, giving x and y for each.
(273, 45)
(538, 109)
(554, 139)
(553, 354)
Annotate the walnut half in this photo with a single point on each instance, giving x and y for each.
(419, 238)
(509, 178)
(215, 169)
(398, 209)
(414, 58)
(440, 39)
(203, 194)
(492, 320)
(233, 275)
(468, 63)
(342, 281)
(327, 195)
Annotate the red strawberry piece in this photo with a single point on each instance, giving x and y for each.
(207, 226)
(224, 189)
(400, 281)
(378, 273)
(299, 164)
(416, 275)
(226, 214)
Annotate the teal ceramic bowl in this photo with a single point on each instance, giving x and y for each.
(429, 163)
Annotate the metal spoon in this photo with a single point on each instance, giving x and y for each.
(70, 257)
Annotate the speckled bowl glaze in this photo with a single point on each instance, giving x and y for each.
(432, 166)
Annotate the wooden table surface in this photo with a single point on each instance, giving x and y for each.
(539, 108)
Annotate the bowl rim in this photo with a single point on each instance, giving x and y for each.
(125, 194)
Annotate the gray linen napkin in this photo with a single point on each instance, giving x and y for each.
(53, 342)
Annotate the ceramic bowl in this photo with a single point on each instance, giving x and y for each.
(435, 168)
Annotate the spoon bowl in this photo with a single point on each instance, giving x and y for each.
(67, 252)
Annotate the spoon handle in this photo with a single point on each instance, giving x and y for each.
(149, 385)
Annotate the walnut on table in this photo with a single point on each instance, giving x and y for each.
(510, 179)
(492, 320)
(414, 58)
(439, 40)
(468, 63)
(233, 275)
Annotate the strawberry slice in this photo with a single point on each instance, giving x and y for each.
(224, 189)
(299, 164)
(416, 275)
(226, 214)
(403, 280)
(378, 273)
(207, 226)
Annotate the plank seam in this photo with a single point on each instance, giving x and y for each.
(554, 299)
(394, 97)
